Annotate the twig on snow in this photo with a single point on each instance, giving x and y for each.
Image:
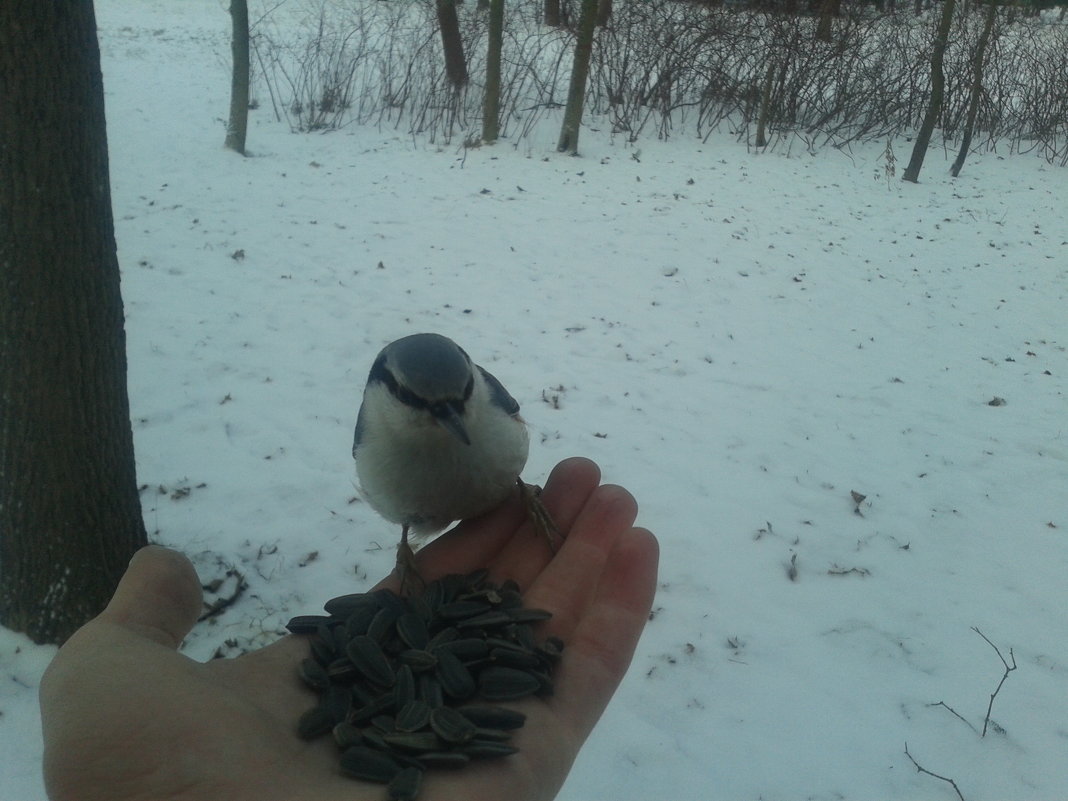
(957, 714)
(922, 769)
(1005, 675)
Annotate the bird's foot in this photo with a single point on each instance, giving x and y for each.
(411, 582)
(538, 514)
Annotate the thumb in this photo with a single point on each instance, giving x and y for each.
(158, 597)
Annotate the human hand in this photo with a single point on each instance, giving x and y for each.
(125, 716)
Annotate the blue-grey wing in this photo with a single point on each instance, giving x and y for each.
(498, 394)
(359, 432)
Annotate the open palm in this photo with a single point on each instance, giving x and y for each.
(126, 716)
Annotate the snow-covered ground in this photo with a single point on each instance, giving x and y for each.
(741, 339)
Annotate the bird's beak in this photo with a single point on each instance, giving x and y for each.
(450, 420)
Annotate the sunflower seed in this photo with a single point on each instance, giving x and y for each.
(466, 650)
(506, 684)
(552, 648)
(359, 620)
(372, 738)
(345, 605)
(413, 716)
(373, 708)
(494, 717)
(384, 723)
(382, 623)
(314, 675)
(369, 658)
(404, 688)
(486, 620)
(346, 735)
(337, 701)
(447, 634)
(497, 735)
(511, 657)
(451, 726)
(306, 624)
(444, 759)
(461, 610)
(545, 684)
(323, 650)
(342, 670)
(416, 742)
(405, 785)
(314, 722)
(429, 690)
(411, 628)
(481, 749)
(456, 680)
(529, 615)
(370, 765)
(419, 661)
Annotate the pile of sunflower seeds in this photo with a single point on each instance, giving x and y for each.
(411, 683)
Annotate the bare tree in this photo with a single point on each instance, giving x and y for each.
(452, 43)
(938, 87)
(604, 13)
(492, 102)
(580, 70)
(978, 61)
(829, 9)
(70, 516)
(237, 128)
(552, 14)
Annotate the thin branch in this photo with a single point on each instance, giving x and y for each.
(957, 714)
(1005, 675)
(222, 603)
(922, 769)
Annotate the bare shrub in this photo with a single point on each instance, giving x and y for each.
(665, 68)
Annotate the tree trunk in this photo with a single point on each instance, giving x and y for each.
(977, 88)
(452, 43)
(552, 16)
(934, 106)
(238, 125)
(70, 516)
(492, 102)
(829, 9)
(765, 107)
(604, 13)
(580, 70)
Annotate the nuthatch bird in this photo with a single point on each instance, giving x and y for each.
(438, 439)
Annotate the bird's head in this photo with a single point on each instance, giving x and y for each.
(431, 376)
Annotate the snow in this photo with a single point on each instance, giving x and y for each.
(739, 338)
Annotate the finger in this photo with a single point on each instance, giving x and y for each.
(525, 555)
(501, 540)
(158, 597)
(602, 645)
(568, 583)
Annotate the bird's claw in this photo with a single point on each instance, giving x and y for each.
(538, 514)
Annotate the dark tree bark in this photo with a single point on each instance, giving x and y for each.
(237, 128)
(580, 70)
(604, 13)
(452, 43)
(492, 101)
(978, 62)
(938, 87)
(761, 139)
(70, 516)
(552, 15)
(829, 9)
